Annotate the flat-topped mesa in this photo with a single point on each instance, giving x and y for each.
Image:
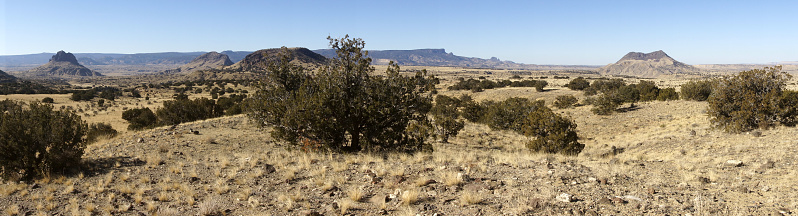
(659, 54)
(648, 65)
(62, 56)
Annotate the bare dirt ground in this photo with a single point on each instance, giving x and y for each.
(662, 158)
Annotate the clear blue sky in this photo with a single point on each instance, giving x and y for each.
(534, 32)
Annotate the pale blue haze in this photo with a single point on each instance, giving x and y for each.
(534, 32)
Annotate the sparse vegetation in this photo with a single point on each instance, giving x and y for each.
(578, 84)
(36, 140)
(99, 130)
(139, 118)
(697, 90)
(751, 99)
(478, 86)
(565, 101)
(342, 107)
(445, 117)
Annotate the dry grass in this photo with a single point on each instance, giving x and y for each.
(469, 197)
(452, 178)
(355, 194)
(410, 197)
(345, 205)
(12, 210)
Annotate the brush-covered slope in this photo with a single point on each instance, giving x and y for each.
(259, 60)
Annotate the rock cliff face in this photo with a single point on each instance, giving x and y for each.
(648, 65)
(62, 64)
(258, 60)
(211, 60)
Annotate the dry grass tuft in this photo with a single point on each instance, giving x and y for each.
(345, 205)
(355, 194)
(211, 206)
(452, 179)
(12, 210)
(470, 197)
(410, 197)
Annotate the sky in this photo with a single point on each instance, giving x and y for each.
(532, 32)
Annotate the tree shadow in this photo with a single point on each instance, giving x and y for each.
(99, 166)
(628, 109)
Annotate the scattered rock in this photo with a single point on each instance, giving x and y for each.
(140, 140)
(651, 191)
(734, 163)
(618, 200)
(756, 133)
(268, 168)
(604, 201)
(630, 197)
(766, 166)
(565, 198)
(704, 180)
(692, 132)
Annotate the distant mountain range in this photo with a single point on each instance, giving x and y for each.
(418, 57)
(118, 59)
(439, 57)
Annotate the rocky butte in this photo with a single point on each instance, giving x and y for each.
(211, 60)
(62, 64)
(648, 65)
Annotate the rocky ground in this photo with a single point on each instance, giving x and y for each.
(661, 159)
(658, 158)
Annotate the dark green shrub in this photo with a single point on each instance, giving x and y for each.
(48, 100)
(604, 86)
(648, 90)
(628, 94)
(100, 130)
(697, 90)
(509, 114)
(342, 107)
(36, 140)
(445, 117)
(748, 100)
(140, 118)
(578, 84)
(565, 101)
(606, 104)
(178, 111)
(554, 133)
(540, 84)
(471, 111)
(788, 107)
(667, 94)
(84, 95)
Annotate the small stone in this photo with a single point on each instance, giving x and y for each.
(140, 140)
(734, 163)
(651, 191)
(605, 201)
(591, 179)
(564, 197)
(618, 200)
